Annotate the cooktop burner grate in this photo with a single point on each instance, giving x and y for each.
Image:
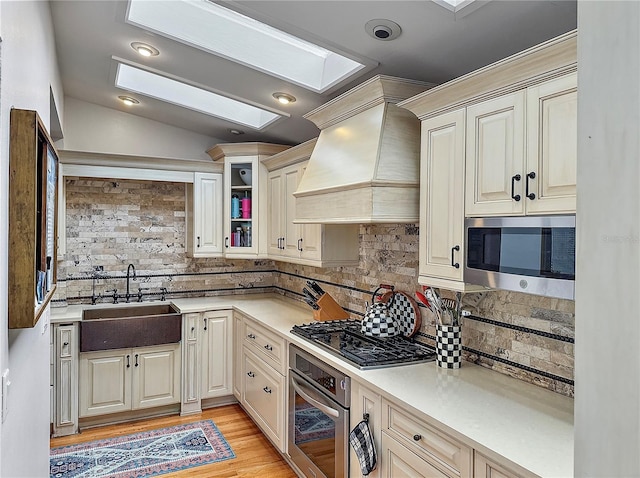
(344, 339)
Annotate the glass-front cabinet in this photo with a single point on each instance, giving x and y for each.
(239, 229)
(244, 186)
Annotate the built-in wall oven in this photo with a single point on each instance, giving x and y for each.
(319, 399)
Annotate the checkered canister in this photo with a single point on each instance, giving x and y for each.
(448, 346)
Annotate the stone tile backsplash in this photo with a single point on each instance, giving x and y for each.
(111, 223)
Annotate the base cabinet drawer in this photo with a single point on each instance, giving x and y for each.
(266, 344)
(263, 396)
(399, 462)
(427, 441)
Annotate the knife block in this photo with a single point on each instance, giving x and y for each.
(329, 309)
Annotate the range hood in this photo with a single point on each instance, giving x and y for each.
(365, 166)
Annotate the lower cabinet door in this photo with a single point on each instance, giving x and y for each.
(217, 346)
(486, 468)
(105, 382)
(156, 376)
(263, 397)
(399, 462)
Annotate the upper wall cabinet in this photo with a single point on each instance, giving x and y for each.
(33, 186)
(508, 149)
(204, 215)
(508, 175)
(245, 199)
(320, 245)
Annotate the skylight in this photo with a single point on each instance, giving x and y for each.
(182, 94)
(454, 5)
(229, 34)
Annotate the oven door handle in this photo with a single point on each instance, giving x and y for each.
(298, 387)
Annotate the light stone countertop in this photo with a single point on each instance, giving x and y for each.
(493, 413)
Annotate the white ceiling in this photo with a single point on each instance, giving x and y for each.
(435, 45)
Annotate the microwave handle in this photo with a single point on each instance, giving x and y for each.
(297, 386)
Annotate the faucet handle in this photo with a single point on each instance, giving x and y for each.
(115, 295)
(164, 293)
(140, 289)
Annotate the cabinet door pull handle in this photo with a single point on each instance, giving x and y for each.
(417, 437)
(300, 244)
(251, 336)
(128, 364)
(517, 177)
(205, 323)
(454, 264)
(531, 175)
(193, 329)
(267, 389)
(65, 344)
(251, 374)
(226, 242)
(198, 245)
(136, 364)
(268, 347)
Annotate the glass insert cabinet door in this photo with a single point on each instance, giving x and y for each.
(241, 191)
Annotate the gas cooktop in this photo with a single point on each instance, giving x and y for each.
(344, 339)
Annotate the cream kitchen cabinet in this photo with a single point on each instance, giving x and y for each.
(238, 346)
(365, 401)
(320, 245)
(204, 215)
(244, 179)
(495, 155)
(410, 442)
(522, 151)
(442, 202)
(216, 354)
(485, 468)
(190, 364)
(263, 397)
(65, 379)
(129, 379)
(262, 377)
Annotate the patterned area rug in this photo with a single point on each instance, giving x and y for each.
(144, 454)
(311, 424)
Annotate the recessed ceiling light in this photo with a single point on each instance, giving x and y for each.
(284, 98)
(382, 29)
(127, 100)
(144, 49)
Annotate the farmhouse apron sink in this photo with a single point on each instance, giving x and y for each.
(129, 326)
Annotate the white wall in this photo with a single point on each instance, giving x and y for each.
(92, 128)
(28, 72)
(607, 352)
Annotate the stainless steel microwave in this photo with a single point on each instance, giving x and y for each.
(531, 254)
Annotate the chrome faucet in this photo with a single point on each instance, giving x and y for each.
(130, 268)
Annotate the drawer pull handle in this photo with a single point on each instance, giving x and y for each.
(251, 374)
(267, 389)
(251, 336)
(268, 347)
(417, 437)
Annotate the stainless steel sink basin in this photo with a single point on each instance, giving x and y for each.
(128, 326)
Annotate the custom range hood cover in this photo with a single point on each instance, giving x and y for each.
(365, 166)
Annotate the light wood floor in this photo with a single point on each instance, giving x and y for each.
(255, 456)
